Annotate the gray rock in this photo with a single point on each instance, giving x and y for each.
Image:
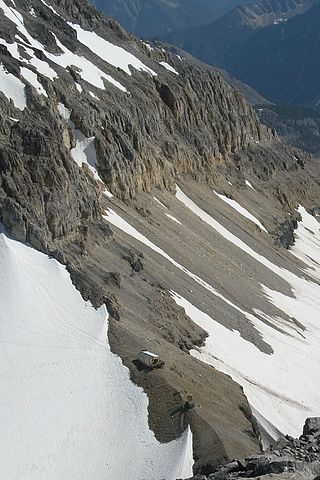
(311, 426)
(280, 444)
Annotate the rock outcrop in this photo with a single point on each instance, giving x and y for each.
(142, 140)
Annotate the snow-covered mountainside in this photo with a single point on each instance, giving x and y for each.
(65, 398)
(137, 182)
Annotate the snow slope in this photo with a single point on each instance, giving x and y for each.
(276, 385)
(12, 88)
(68, 409)
(280, 392)
(116, 56)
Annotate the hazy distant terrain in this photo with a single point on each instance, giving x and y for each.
(271, 46)
(148, 18)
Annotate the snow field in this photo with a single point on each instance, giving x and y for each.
(88, 71)
(116, 56)
(12, 88)
(68, 408)
(275, 385)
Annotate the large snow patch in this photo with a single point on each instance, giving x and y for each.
(12, 88)
(116, 56)
(67, 406)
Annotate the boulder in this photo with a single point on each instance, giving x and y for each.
(311, 426)
(280, 444)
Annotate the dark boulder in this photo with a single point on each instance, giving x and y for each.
(311, 426)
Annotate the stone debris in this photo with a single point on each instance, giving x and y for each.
(297, 458)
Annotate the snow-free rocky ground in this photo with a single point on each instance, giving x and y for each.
(160, 199)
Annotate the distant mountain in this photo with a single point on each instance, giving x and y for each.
(264, 44)
(149, 18)
(282, 62)
(295, 125)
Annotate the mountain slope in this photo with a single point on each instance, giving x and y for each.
(136, 130)
(264, 45)
(81, 408)
(148, 18)
(154, 182)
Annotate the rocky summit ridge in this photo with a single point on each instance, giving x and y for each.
(152, 180)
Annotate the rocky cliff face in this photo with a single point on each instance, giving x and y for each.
(44, 196)
(87, 112)
(143, 138)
